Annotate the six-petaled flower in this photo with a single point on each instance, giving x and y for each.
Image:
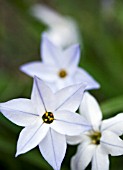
(103, 139)
(59, 68)
(50, 117)
(47, 118)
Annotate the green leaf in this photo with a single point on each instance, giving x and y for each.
(112, 106)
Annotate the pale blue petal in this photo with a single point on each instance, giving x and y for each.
(31, 136)
(70, 97)
(20, 111)
(53, 148)
(42, 97)
(69, 123)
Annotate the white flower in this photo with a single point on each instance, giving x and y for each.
(47, 118)
(103, 139)
(62, 30)
(59, 67)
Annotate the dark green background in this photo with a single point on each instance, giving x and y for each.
(102, 56)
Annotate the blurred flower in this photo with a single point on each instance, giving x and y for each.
(103, 139)
(47, 118)
(107, 7)
(59, 67)
(62, 31)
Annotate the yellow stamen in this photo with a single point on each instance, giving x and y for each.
(62, 73)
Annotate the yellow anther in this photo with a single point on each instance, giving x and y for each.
(95, 138)
(48, 117)
(62, 73)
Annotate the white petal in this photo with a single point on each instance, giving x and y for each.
(50, 53)
(74, 163)
(71, 56)
(112, 143)
(44, 71)
(46, 15)
(100, 159)
(19, 111)
(81, 138)
(63, 31)
(114, 124)
(74, 140)
(42, 96)
(69, 123)
(70, 97)
(83, 157)
(62, 83)
(82, 76)
(89, 108)
(53, 148)
(31, 136)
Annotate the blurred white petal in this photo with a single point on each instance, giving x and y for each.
(82, 76)
(62, 30)
(59, 67)
(40, 70)
(50, 53)
(71, 56)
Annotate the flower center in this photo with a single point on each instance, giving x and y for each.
(62, 73)
(48, 117)
(95, 138)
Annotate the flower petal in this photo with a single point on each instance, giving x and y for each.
(112, 143)
(19, 111)
(63, 31)
(74, 140)
(53, 148)
(82, 76)
(42, 96)
(81, 138)
(90, 109)
(31, 136)
(62, 83)
(69, 98)
(71, 56)
(83, 157)
(69, 123)
(114, 124)
(50, 53)
(43, 71)
(100, 159)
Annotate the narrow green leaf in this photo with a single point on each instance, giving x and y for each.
(112, 106)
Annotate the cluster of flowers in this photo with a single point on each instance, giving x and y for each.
(50, 120)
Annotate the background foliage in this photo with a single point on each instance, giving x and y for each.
(101, 27)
